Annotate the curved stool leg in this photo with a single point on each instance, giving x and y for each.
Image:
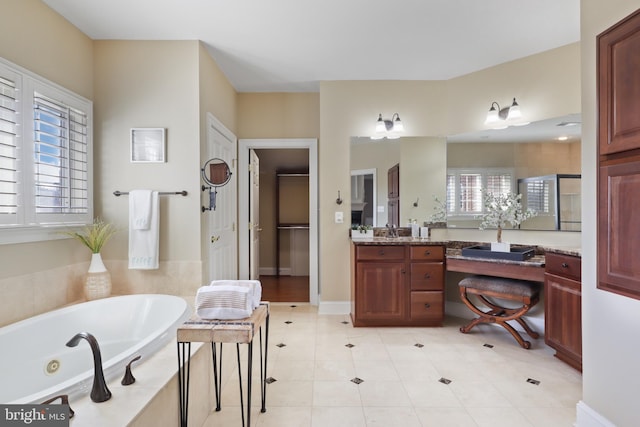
(499, 315)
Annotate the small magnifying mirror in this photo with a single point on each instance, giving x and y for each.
(216, 173)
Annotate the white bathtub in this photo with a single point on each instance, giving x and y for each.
(36, 364)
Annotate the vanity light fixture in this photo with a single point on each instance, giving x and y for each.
(501, 118)
(388, 128)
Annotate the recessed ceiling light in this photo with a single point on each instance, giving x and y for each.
(563, 138)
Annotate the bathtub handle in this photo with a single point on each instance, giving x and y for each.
(64, 400)
(128, 378)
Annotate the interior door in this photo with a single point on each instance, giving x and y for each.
(223, 259)
(254, 216)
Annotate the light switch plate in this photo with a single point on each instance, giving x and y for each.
(381, 208)
(339, 217)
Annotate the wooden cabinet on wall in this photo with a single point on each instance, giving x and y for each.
(619, 157)
(563, 307)
(397, 285)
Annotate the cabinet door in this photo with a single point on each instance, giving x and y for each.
(381, 292)
(563, 317)
(427, 276)
(427, 308)
(619, 228)
(619, 87)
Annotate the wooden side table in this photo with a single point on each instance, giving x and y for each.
(219, 332)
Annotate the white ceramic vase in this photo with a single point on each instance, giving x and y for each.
(97, 283)
(500, 247)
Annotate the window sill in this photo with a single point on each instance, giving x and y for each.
(15, 235)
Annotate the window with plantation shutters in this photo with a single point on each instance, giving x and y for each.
(60, 156)
(538, 196)
(45, 157)
(9, 85)
(464, 188)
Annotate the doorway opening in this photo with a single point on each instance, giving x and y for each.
(285, 226)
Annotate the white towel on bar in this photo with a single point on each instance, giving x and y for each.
(255, 288)
(144, 244)
(140, 209)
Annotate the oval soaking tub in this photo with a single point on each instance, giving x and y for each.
(36, 364)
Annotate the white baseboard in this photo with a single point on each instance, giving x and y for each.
(334, 307)
(587, 417)
(458, 309)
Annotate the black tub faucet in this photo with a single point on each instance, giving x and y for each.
(99, 391)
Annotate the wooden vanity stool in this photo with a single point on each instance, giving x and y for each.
(521, 291)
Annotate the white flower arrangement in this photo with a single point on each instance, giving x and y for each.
(439, 210)
(501, 209)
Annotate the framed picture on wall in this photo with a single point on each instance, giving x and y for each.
(148, 145)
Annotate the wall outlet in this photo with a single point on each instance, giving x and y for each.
(380, 208)
(339, 217)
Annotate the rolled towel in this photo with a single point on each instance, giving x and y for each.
(224, 302)
(254, 285)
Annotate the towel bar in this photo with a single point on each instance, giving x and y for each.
(118, 193)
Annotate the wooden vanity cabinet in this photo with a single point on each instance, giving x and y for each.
(397, 285)
(563, 307)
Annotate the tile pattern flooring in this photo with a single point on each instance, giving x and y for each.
(325, 372)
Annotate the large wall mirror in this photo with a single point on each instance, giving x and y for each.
(532, 159)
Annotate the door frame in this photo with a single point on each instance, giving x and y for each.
(213, 122)
(244, 145)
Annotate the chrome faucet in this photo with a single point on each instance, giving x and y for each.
(392, 231)
(99, 391)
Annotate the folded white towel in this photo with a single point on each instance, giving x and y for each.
(254, 286)
(144, 245)
(140, 208)
(224, 302)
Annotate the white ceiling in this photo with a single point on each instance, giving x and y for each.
(292, 45)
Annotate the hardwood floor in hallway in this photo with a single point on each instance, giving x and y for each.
(285, 288)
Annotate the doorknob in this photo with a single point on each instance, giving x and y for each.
(215, 239)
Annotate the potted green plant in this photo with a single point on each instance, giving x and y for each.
(95, 236)
(361, 231)
(502, 209)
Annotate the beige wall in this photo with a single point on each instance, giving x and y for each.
(546, 85)
(423, 175)
(38, 39)
(278, 115)
(610, 323)
(218, 98)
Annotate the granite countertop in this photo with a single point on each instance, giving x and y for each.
(402, 240)
(454, 247)
(562, 250)
(537, 260)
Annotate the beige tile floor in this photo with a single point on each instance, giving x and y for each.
(403, 373)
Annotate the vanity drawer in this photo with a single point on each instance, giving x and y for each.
(380, 253)
(563, 265)
(427, 253)
(427, 276)
(427, 307)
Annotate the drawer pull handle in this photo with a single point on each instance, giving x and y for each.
(427, 276)
(403, 271)
(381, 252)
(427, 305)
(427, 253)
(565, 265)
